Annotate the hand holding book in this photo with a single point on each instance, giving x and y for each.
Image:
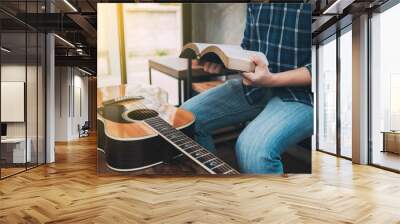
(261, 75)
(233, 57)
(253, 64)
(217, 57)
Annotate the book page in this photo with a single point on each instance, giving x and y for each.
(197, 47)
(232, 56)
(201, 46)
(235, 57)
(237, 52)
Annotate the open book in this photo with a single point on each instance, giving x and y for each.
(231, 56)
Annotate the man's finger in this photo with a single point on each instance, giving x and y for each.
(248, 75)
(258, 61)
(217, 68)
(213, 68)
(247, 82)
(206, 66)
(248, 78)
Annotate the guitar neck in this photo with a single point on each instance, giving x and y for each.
(190, 148)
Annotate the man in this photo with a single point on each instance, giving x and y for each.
(277, 98)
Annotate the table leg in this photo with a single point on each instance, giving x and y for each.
(179, 93)
(384, 143)
(150, 81)
(189, 80)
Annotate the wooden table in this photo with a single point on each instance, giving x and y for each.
(14, 150)
(177, 69)
(391, 141)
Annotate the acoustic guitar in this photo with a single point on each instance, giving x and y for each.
(138, 130)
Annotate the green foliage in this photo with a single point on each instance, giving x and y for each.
(132, 54)
(161, 52)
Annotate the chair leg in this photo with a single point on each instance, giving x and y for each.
(179, 93)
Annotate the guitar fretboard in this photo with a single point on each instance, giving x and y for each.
(190, 148)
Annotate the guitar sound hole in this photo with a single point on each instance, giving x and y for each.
(142, 114)
(113, 113)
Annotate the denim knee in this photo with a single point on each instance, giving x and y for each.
(199, 124)
(258, 155)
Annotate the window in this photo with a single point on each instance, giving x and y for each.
(314, 90)
(346, 93)
(327, 96)
(140, 26)
(143, 25)
(334, 138)
(108, 60)
(22, 88)
(385, 87)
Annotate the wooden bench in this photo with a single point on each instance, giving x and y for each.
(200, 87)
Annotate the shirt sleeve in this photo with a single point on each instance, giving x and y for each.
(246, 36)
(309, 68)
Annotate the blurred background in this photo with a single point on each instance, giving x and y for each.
(158, 30)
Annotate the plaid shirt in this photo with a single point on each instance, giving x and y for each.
(282, 32)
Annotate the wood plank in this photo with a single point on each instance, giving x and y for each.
(176, 67)
(204, 86)
(70, 191)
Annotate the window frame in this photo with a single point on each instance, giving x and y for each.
(333, 37)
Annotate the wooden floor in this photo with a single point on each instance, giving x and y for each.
(11, 170)
(386, 159)
(70, 191)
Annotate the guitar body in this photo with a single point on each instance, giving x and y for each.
(127, 142)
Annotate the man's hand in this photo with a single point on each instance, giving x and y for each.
(212, 68)
(261, 75)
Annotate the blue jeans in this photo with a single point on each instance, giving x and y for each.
(275, 124)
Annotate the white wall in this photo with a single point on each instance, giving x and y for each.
(12, 73)
(61, 103)
(221, 23)
(67, 115)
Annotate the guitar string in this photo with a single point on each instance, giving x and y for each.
(225, 167)
(206, 154)
(209, 156)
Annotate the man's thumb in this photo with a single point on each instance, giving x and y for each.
(258, 61)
